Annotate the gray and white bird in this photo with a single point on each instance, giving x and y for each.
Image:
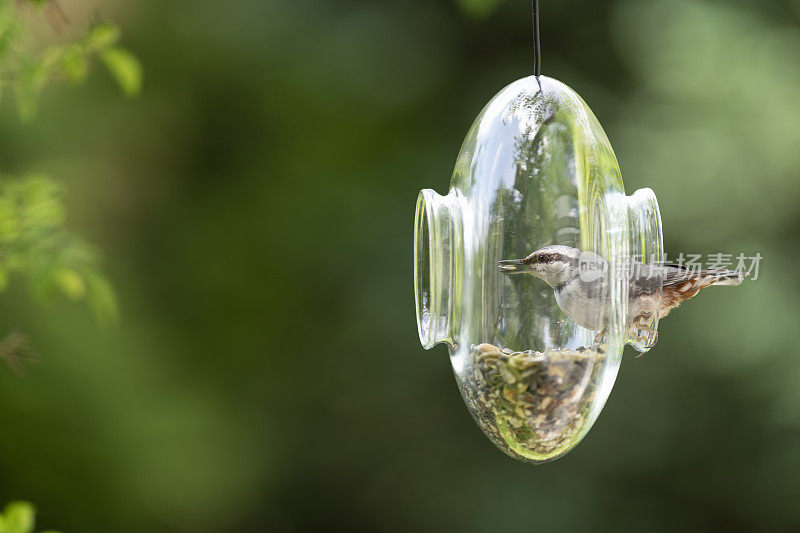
(580, 283)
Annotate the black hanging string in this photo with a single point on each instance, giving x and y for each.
(537, 45)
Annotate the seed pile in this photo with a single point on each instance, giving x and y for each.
(534, 403)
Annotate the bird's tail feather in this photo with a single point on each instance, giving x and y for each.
(689, 279)
(724, 277)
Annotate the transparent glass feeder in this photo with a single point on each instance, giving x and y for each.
(535, 169)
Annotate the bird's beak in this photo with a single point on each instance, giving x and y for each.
(514, 266)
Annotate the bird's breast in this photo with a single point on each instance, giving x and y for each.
(586, 304)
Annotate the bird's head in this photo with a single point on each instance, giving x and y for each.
(554, 264)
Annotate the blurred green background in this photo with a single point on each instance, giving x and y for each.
(255, 209)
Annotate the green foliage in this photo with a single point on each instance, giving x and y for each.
(35, 243)
(33, 240)
(19, 517)
(27, 72)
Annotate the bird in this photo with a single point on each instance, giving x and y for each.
(580, 284)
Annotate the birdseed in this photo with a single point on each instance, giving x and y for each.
(535, 405)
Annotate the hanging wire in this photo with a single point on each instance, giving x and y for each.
(537, 45)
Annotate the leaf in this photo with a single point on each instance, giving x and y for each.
(31, 79)
(75, 65)
(101, 299)
(102, 36)
(18, 517)
(70, 283)
(125, 68)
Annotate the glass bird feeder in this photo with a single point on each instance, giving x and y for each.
(535, 169)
